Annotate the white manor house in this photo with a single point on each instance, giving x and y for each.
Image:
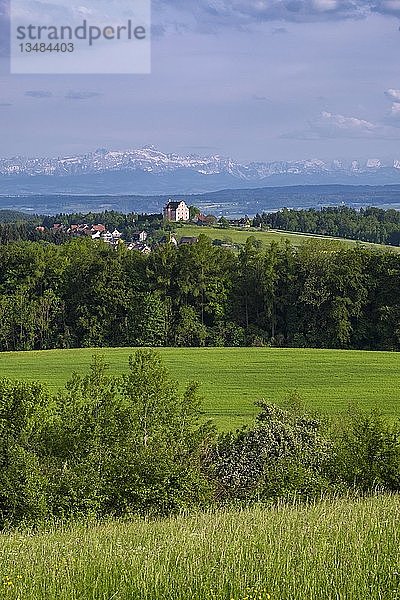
(176, 211)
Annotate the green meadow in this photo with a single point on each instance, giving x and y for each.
(334, 550)
(232, 379)
(239, 236)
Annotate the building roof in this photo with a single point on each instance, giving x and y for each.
(99, 227)
(174, 205)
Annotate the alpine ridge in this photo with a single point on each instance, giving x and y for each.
(150, 171)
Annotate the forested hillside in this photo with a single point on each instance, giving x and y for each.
(368, 224)
(84, 293)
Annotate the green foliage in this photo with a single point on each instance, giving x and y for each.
(164, 441)
(86, 294)
(369, 224)
(111, 445)
(189, 330)
(284, 454)
(367, 452)
(148, 320)
(23, 407)
(193, 212)
(223, 223)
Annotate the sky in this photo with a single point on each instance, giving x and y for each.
(256, 80)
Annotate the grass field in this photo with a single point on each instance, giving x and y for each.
(239, 236)
(232, 379)
(338, 550)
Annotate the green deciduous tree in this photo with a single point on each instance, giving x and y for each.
(123, 446)
(23, 486)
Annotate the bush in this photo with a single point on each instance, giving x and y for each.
(366, 453)
(284, 454)
(127, 445)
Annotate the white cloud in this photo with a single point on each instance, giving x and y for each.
(393, 95)
(332, 126)
(331, 123)
(395, 111)
(393, 117)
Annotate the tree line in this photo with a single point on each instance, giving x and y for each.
(367, 224)
(83, 294)
(118, 446)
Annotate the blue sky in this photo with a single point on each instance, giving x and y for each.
(251, 79)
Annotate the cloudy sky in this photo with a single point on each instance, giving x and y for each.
(251, 79)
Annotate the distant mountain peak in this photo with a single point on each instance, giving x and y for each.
(192, 172)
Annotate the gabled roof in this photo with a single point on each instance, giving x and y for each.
(99, 227)
(174, 205)
(202, 218)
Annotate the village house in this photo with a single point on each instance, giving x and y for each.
(169, 239)
(139, 247)
(107, 237)
(176, 211)
(242, 223)
(201, 220)
(99, 228)
(141, 236)
(95, 232)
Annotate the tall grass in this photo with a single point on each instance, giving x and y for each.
(345, 549)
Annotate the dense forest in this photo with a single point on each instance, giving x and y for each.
(84, 293)
(368, 224)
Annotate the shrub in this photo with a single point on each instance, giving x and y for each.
(285, 453)
(127, 445)
(366, 453)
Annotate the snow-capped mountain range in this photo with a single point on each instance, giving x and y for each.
(151, 160)
(150, 171)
